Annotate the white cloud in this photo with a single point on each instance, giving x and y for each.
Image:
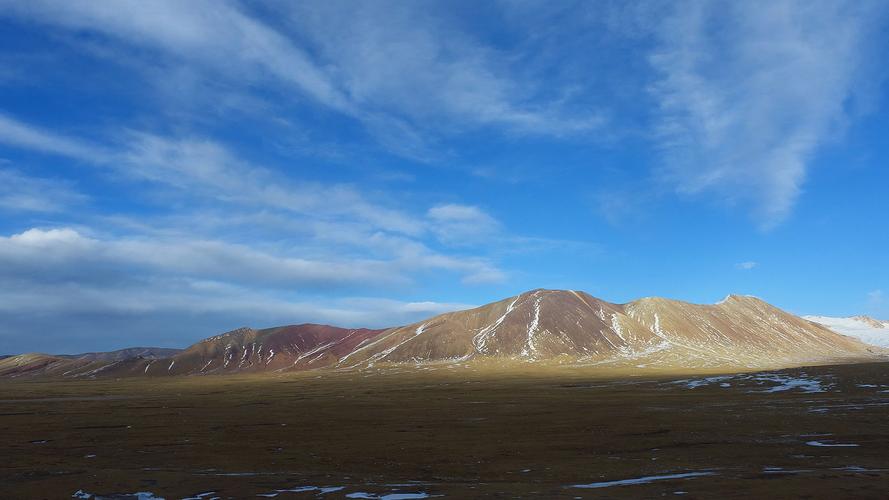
(456, 224)
(199, 168)
(415, 62)
(216, 34)
(24, 193)
(407, 73)
(746, 266)
(77, 317)
(63, 283)
(749, 91)
(64, 254)
(16, 133)
(205, 168)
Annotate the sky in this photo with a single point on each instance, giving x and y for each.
(171, 170)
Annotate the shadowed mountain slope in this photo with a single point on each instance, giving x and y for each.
(296, 347)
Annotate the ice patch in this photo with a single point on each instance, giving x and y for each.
(783, 382)
(855, 468)
(201, 496)
(787, 383)
(642, 480)
(388, 496)
(831, 445)
(320, 490)
(139, 495)
(701, 382)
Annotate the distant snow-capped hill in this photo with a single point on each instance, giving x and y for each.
(864, 328)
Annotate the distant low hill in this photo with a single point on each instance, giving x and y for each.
(539, 327)
(864, 328)
(130, 352)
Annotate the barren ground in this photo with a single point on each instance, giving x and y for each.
(464, 433)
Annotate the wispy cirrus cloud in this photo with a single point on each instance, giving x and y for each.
(746, 265)
(336, 214)
(406, 73)
(20, 192)
(206, 168)
(748, 92)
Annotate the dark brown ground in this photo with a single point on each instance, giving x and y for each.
(461, 434)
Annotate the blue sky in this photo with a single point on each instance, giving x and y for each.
(170, 170)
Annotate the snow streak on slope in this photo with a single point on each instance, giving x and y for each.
(865, 329)
(480, 340)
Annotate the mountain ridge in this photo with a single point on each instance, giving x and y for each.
(563, 327)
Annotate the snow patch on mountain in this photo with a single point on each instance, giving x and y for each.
(865, 329)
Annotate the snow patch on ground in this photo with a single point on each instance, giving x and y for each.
(831, 445)
(319, 490)
(139, 495)
(388, 496)
(642, 480)
(787, 383)
(782, 382)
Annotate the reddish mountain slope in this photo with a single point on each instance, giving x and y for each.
(296, 347)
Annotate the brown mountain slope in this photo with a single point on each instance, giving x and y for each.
(569, 326)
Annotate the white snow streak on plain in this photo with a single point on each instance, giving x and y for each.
(783, 382)
(388, 496)
(642, 480)
(831, 445)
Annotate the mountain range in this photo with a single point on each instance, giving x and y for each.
(539, 327)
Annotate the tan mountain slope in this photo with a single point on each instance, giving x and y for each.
(574, 327)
